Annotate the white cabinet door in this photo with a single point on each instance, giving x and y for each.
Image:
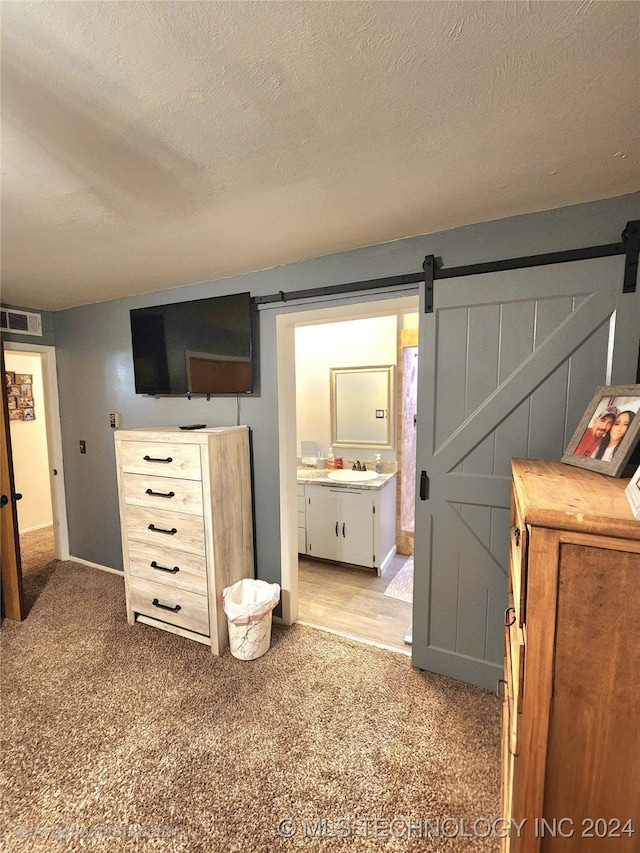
(340, 525)
(356, 529)
(323, 525)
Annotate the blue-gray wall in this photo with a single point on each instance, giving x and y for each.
(95, 369)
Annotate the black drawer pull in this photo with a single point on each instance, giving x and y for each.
(500, 692)
(161, 530)
(516, 536)
(509, 621)
(343, 533)
(175, 569)
(175, 609)
(151, 459)
(160, 494)
(336, 528)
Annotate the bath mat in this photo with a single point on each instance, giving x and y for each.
(401, 586)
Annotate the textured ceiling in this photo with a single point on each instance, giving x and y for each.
(152, 144)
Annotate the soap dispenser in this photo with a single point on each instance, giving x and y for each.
(378, 464)
(331, 463)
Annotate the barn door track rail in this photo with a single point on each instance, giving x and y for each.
(434, 271)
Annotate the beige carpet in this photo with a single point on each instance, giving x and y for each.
(129, 738)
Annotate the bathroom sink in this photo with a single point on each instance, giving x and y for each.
(347, 476)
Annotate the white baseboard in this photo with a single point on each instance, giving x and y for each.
(37, 527)
(96, 566)
(387, 560)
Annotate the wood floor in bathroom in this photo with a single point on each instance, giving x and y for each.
(352, 602)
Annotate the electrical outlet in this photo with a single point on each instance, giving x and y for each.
(83, 447)
(114, 420)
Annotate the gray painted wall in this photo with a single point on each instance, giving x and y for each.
(95, 369)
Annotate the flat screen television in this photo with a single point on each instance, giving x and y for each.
(199, 347)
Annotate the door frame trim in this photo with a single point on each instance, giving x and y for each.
(54, 441)
(356, 307)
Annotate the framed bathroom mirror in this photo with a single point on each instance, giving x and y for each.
(362, 406)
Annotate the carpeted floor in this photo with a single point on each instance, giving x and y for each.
(129, 738)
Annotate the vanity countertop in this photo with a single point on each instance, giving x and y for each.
(319, 477)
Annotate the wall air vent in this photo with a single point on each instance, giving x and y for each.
(22, 322)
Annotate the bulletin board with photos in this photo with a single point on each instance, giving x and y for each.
(20, 396)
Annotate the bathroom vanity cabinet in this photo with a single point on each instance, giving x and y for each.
(186, 523)
(347, 524)
(571, 710)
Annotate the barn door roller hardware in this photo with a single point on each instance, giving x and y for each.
(631, 237)
(630, 246)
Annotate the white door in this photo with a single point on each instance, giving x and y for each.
(508, 363)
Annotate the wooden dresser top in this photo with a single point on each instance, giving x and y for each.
(552, 494)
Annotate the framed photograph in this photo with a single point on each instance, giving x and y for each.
(633, 493)
(608, 431)
(9, 378)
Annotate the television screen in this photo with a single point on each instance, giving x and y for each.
(199, 347)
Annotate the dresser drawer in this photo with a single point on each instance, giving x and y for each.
(164, 460)
(514, 642)
(175, 606)
(168, 566)
(174, 530)
(166, 493)
(512, 731)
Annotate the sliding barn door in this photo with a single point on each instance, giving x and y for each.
(508, 363)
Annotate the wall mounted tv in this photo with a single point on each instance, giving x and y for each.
(199, 347)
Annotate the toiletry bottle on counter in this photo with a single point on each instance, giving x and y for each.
(378, 464)
(331, 462)
(338, 461)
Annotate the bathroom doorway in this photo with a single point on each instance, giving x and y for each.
(335, 597)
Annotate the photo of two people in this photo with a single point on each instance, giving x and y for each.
(608, 431)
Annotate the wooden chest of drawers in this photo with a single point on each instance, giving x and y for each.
(187, 530)
(571, 711)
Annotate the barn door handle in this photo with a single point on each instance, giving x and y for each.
(424, 486)
(4, 500)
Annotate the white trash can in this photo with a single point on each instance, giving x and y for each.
(248, 604)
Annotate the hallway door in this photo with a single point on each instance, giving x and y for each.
(508, 362)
